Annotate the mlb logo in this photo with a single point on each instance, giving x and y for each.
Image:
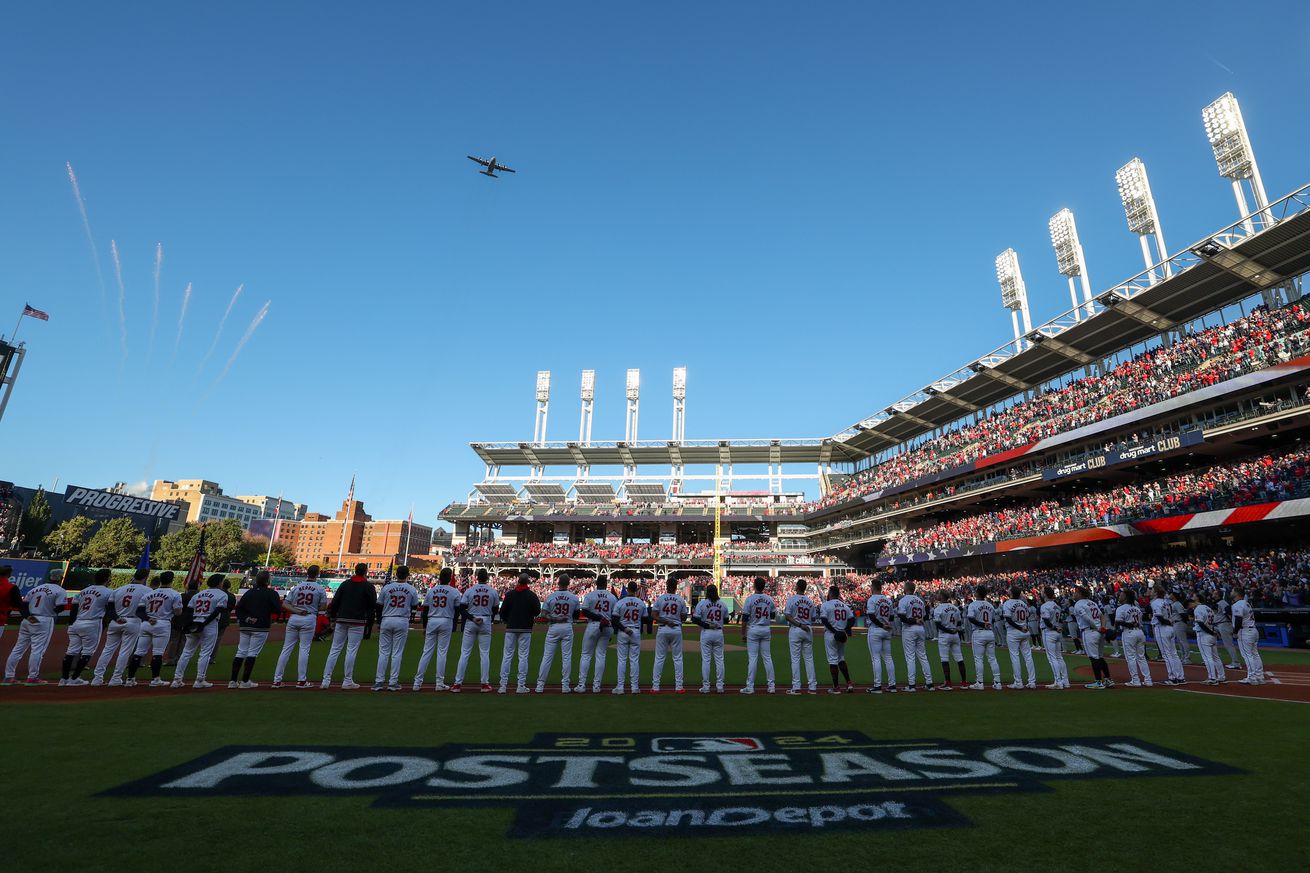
(706, 744)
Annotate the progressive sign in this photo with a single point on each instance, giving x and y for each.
(564, 785)
(93, 498)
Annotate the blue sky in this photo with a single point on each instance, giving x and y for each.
(799, 204)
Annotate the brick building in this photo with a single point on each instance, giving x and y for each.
(352, 536)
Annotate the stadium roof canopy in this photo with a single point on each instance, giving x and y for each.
(667, 453)
(644, 490)
(593, 492)
(1229, 266)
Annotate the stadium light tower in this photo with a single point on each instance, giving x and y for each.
(543, 407)
(1234, 156)
(1143, 219)
(634, 396)
(679, 404)
(588, 404)
(1014, 296)
(1069, 257)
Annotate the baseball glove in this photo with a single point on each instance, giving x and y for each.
(840, 636)
(1111, 634)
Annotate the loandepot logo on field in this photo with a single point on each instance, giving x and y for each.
(685, 784)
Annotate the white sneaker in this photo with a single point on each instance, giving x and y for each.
(157, 683)
(349, 685)
(116, 682)
(705, 689)
(1135, 683)
(201, 683)
(248, 684)
(62, 683)
(617, 691)
(541, 689)
(1055, 686)
(1032, 684)
(176, 683)
(77, 682)
(97, 682)
(501, 690)
(977, 686)
(564, 689)
(523, 689)
(325, 684)
(746, 691)
(441, 686)
(234, 684)
(417, 686)
(579, 689)
(794, 691)
(1015, 686)
(997, 687)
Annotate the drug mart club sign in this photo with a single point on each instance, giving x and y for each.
(565, 785)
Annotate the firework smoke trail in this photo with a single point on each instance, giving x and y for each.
(254, 323)
(122, 297)
(221, 323)
(86, 226)
(154, 318)
(181, 320)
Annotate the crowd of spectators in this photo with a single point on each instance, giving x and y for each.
(1258, 340)
(510, 553)
(1267, 478)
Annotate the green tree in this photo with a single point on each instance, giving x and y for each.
(36, 520)
(67, 541)
(225, 543)
(279, 556)
(118, 543)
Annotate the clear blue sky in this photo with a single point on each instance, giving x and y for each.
(801, 204)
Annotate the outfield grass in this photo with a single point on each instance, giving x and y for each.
(62, 755)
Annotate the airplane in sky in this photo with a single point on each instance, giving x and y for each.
(491, 166)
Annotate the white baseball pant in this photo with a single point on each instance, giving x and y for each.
(880, 653)
(347, 637)
(801, 643)
(558, 636)
(300, 633)
(1209, 646)
(629, 651)
(834, 651)
(595, 642)
(668, 643)
(1134, 649)
(916, 652)
(83, 637)
(205, 641)
(479, 635)
(1164, 638)
(711, 652)
(250, 642)
(153, 639)
(1092, 643)
(1248, 639)
(436, 639)
(1180, 640)
(519, 641)
(984, 643)
(1053, 643)
(392, 634)
(120, 639)
(33, 636)
(1021, 656)
(1226, 634)
(758, 649)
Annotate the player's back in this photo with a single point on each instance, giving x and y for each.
(837, 612)
(1016, 611)
(982, 614)
(1050, 613)
(600, 601)
(309, 596)
(45, 600)
(560, 605)
(948, 616)
(441, 601)
(712, 612)
(128, 598)
(911, 607)
(670, 606)
(759, 610)
(629, 611)
(163, 603)
(481, 600)
(398, 600)
(1088, 615)
(880, 607)
(92, 602)
(211, 601)
(800, 608)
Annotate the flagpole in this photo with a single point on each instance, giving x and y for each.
(13, 340)
(409, 527)
(277, 513)
(341, 550)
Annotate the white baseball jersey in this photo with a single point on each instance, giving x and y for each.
(163, 603)
(760, 610)
(209, 602)
(441, 601)
(912, 609)
(947, 617)
(1128, 615)
(1223, 612)
(600, 601)
(981, 614)
(128, 599)
(44, 600)
(670, 606)
(1160, 612)
(309, 596)
(712, 612)
(1243, 616)
(91, 602)
(1202, 617)
(560, 606)
(1088, 615)
(1015, 612)
(880, 612)
(629, 611)
(1051, 618)
(480, 601)
(1176, 610)
(837, 613)
(801, 608)
(398, 600)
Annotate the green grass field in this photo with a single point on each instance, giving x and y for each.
(61, 755)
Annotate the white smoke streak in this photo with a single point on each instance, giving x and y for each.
(181, 320)
(90, 238)
(218, 333)
(154, 318)
(122, 297)
(245, 338)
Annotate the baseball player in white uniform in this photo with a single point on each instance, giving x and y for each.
(396, 604)
(914, 612)
(981, 616)
(1224, 624)
(670, 613)
(837, 619)
(711, 615)
(438, 616)
(1248, 638)
(800, 613)
(1015, 614)
(39, 609)
(628, 614)
(1128, 624)
(162, 603)
(758, 613)
(946, 618)
(85, 627)
(304, 602)
(1053, 639)
(202, 633)
(598, 607)
(880, 613)
(127, 608)
(1163, 627)
(560, 609)
(479, 602)
(1207, 640)
(1091, 623)
(1178, 614)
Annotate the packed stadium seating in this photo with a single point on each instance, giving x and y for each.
(505, 553)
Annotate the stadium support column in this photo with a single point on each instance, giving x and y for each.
(679, 415)
(630, 423)
(11, 361)
(718, 526)
(1143, 218)
(588, 395)
(1014, 295)
(543, 407)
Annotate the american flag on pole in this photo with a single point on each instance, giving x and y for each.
(197, 570)
(30, 311)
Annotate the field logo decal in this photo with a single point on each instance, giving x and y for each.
(563, 785)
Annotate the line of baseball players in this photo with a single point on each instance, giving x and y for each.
(137, 621)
